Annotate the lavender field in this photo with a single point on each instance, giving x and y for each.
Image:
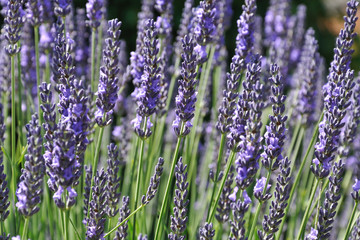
(184, 136)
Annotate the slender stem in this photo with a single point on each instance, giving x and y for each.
(307, 211)
(172, 84)
(168, 186)
(348, 229)
(25, 229)
(19, 96)
(125, 220)
(93, 46)
(64, 213)
(95, 163)
(294, 138)
(139, 173)
(224, 178)
(298, 176)
(218, 166)
(47, 67)
(76, 231)
(253, 225)
(13, 132)
(36, 36)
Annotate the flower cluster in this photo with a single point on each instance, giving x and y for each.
(186, 98)
(94, 12)
(275, 131)
(14, 22)
(31, 181)
(108, 83)
(148, 94)
(337, 93)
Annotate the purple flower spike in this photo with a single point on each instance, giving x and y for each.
(108, 83)
(308, 78)
(63, 167)
(62, 7)
(113, 181)
(97, 212)
(337, 94)
(94, 12)
(245, 38)
(356, 186)
(14, 22)
(244, 135)
(186, 98)
(31, 181)
(205, 29)
(35, 12)
(313, 235)
(148, 95)
(259, 189)
(244, 46)
(4, 190)
(275, 131)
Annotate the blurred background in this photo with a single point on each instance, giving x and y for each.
(325, 16)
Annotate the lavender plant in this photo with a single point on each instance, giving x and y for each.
(266, 149)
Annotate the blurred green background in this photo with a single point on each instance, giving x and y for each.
(325, 16)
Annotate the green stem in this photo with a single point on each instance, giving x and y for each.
(38, 81)
(253, 225)
(25, 229)
(307, 211)
(76, 231)
(93, 46)
(294, 138)
(218, 166)
(224, 178)
(19, 96)
(13, 132)
(348, 229)
(168, 186)
(95, 163)
(65, 217)
(139, 173)
(47, 67)
(125, 220)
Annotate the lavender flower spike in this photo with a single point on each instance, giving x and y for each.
(244, 47)
(62, 7)
(94, 12)
(108, 83)
(148, 94)
(272, 221)
(244, 135)
(154, 182)
(121, 232)
(179, 220)
(97, 212)
(14, 22)
(275, 131)
(337, 93)
(246, 27)
(313, 235)
(186, 98)
(205, 29)
(308, 77)
(63, 167)
(4, 190)
(35, 12)
(207, 232)
(327, 211)
(31, 181)
(113, 181)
